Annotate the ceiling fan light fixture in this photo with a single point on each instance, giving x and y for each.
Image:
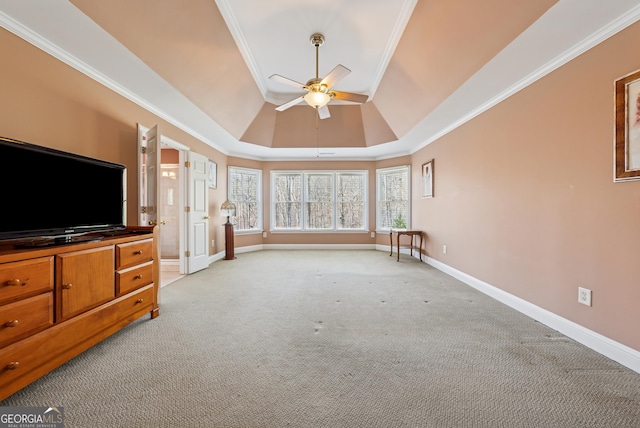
(319, 91)
(317, 99)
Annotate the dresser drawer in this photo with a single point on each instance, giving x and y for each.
(25, 278)
(133, 253)
(25, 317)
(133, 278)
(24, 361)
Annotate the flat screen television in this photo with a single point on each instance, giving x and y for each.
(51, 197)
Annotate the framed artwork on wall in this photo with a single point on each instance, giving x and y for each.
(427, 179)
(627, 135)
(213, 174)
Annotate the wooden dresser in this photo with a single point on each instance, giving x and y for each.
(58, 301)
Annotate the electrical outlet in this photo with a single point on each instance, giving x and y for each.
(264, 234)
(444, 249)
(584, 296)
(213, 243)
(373, 234)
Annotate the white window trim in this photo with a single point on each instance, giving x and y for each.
(303, 220)
(258, 172)
(380, 229)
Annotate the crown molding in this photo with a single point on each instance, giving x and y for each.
(232, 23)
(394, 39)
(44, 44)
(603, 33)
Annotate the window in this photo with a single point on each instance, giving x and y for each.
(245, 191)
(319, 200)
(351, 198)
(287, 200)
(393, 190)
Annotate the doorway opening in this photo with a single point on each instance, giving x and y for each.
(171, 203)
(173, 195)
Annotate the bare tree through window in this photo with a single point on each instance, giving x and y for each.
(288, 200)
(351, 198)
(393, 198)
(244, 192)
(319, 200)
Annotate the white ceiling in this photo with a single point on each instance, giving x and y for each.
(273, 37)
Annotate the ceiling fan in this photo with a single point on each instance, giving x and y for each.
(319, 91)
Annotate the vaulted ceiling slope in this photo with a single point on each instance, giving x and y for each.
(192, 48)
(426, 65)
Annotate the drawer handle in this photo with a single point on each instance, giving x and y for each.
(138, 276)
(67, 286)
(139, 301)
(12, 365)
(137, 252)
(14, 282)
(11, 323)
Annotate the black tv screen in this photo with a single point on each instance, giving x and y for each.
(49, 193)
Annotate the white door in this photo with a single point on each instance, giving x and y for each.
(197, 213)
(149, 159)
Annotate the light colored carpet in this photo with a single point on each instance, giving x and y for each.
(336, 339)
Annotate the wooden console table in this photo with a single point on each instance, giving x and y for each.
(411, 234)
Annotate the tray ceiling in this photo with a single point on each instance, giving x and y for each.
(427, 65)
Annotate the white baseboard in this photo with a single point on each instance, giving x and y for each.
(240, 250)
(215, 257)
(616, 351)
(319, 247)
(248, 249)
(170, 265)
(403, 250)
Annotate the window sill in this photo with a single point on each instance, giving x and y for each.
(248, 232)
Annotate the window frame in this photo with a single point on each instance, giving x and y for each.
(258, 174)
(304, 200)
(379, 217)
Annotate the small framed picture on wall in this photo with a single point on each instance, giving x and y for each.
(213, 174)
(427, 179)
(627, 144)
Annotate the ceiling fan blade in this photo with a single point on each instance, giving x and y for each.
(286, 81)
(337, 74)
(348, 96)
(291, 103)
(323, 112)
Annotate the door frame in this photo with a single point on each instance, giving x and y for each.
(182, 180)
(182, 177)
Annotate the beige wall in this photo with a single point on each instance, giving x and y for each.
(48, 103)
(525, 199)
